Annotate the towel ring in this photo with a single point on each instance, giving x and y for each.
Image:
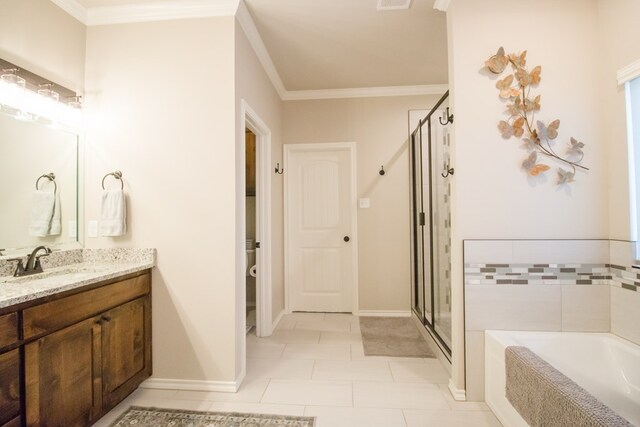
(117, 175)
(51, 177)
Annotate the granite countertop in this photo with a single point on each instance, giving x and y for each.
(66, 270)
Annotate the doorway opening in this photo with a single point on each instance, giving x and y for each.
(255, 237)
(251, 271)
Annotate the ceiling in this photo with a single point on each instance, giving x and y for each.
(339, 44)
(334, 44)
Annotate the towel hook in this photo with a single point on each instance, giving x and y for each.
(51, 177)
(449, 118)
(382, 172)
(448, 170)
(116, 175)
(278, 170)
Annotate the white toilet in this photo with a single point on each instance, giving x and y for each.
(251, 259)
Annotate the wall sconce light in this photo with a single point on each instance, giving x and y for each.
(12, 91)
(30, 97)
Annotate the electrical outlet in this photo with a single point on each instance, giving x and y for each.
(93, 229)
(364, 203)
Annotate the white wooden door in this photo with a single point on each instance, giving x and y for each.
(320, 206)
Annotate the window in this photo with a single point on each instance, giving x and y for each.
(632, 90)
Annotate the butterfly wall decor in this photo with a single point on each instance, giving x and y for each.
(522, 106)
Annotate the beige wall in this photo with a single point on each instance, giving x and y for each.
(379, 127)
(491, 197)
(40, 37)
(618, 46)
(254, 87)
(159, 98)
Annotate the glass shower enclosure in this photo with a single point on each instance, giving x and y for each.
(431, 222)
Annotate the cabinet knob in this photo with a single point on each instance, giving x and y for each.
(346, 238)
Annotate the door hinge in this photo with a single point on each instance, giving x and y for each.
(422, 219)
(257, 245)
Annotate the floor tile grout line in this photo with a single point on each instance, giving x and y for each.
(313, 369)
(353, 395)
(265, 391)
(404, 417)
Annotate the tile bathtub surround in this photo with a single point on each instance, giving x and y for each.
(538, 285)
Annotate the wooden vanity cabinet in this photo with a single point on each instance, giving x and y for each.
(10, 394)
(83, 354)
(63, 376)
(126, 350)
(10, 388)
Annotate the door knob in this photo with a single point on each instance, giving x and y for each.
(346, 238)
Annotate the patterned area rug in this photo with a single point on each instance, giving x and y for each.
(392, 336)
(154, 417)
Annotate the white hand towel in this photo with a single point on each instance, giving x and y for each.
(41, 213)
(114, 219)
(56, 224)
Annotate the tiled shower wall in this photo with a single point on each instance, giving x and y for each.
(552, 285)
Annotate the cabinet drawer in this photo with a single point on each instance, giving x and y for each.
(54, 315)
(9, 386)
(8, 329)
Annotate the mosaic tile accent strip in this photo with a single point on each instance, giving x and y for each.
(537, 274)
(625, 277)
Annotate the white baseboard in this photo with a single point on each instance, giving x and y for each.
(274, 325)
(384, 313)
(457, 393)
(192, 385)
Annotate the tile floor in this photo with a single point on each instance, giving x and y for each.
(314, 365)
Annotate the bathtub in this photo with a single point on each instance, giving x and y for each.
(605, 365)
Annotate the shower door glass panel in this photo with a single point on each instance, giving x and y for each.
(431, 220)
(441, 230)
(425, 228)
(416, 238)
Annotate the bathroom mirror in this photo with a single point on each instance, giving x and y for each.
(28, 150)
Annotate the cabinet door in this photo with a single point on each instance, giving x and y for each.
(126, 349)
(63, 377)
(9, 386)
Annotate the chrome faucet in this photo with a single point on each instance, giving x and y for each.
(33, 264)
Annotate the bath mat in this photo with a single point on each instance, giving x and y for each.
(155, 417)
(392, 336)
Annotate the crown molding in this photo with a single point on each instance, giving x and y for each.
(365, 92)
(442, 5)
(251, 31)
(184, 9)
(160, 11)
(73, 8)
(629, 72)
